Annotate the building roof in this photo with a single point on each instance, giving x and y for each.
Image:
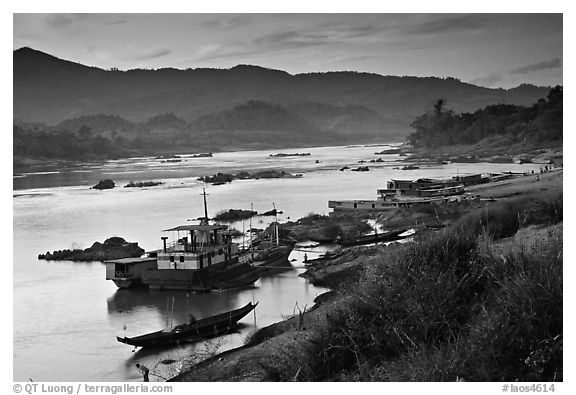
(202, 228)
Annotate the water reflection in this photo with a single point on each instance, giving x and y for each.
(175, 306)
(185, 348)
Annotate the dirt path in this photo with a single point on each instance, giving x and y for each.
(551, 180)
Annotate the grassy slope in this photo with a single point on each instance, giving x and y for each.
(478, 301)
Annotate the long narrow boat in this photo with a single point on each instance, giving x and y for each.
(373, 238)
(205, 328)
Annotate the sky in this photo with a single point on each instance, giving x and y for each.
(492, 50)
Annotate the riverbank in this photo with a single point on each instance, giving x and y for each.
(389, 318)
(496, 149)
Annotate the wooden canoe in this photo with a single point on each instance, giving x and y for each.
(204, 328)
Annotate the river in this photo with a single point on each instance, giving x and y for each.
(66, 315)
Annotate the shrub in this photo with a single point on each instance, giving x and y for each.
(504, 218)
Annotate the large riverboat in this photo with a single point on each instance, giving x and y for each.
(196, 257)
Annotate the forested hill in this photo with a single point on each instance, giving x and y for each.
(253, 124)
(51, 90)
(539, 123)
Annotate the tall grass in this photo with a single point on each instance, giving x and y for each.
(448, 308)
(503, 219)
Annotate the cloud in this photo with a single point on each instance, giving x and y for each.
(432, 24)
(510, 75)
(240, 20)
(364, 30)
(114, 22)
(210, 23)
(356, 58)
(59, 21)
(157, 53)
(291, 39)
(223, 52)
(272, 42)
(225, 21)
(551, 64)
(208, 49)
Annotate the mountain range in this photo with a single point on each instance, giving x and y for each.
(239, 104)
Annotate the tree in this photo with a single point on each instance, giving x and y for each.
(541, 122)
(439, 105)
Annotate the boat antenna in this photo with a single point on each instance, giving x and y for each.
(243, 236)
(250, 225)
(205, 207)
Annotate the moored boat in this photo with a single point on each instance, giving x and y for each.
(273, 256)
(267, 250)
(375, 238)
(200, 258)
(204, 328)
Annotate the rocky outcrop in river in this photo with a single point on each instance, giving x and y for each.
(112, 248)
(104, 184)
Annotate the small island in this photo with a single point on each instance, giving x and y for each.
(168, 156)
(223, 178)
(143, 184)
(104, 184)
(234, 215)
(112, 248)
(284, 155)
(220, 178)
(204, 155)
(389, 151)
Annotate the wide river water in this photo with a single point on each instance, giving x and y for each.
(67, 316)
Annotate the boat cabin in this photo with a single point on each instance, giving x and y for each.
(197, 247)
(126, 272)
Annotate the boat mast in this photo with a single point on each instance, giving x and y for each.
(276, 224)
(205, 220)
(250, 228)
(243, 237)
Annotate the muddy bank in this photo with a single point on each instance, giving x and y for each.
(326, 228)
(265, 356)
(342, 267)
(497, 149)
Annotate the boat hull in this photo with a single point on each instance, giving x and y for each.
(277, 258)
(234, 276)
(125, 282)
(374, 238)
(205, 328)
